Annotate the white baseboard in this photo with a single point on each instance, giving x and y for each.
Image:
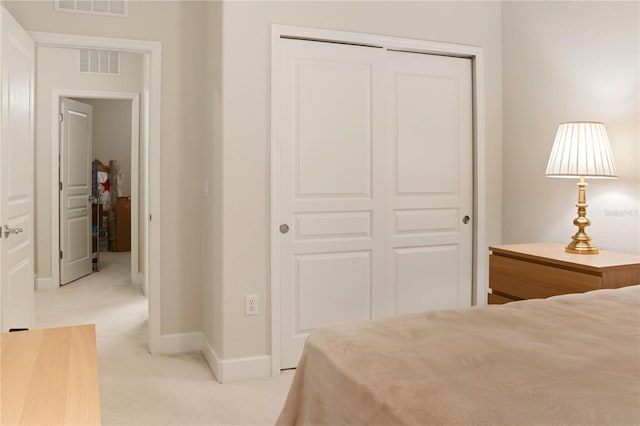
(180, 342)
(45, 284)
(253, 367)
(212, 359)
(236, 369)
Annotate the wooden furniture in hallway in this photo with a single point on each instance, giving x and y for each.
(50, 376)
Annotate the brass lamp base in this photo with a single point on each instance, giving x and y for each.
(581, 242)
(582, 247)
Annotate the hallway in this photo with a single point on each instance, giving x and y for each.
(106, 298)
(136, 387)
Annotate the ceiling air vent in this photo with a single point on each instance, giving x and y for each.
(94, 7)
(93, 61)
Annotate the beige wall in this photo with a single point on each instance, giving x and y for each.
(56, 68)
(561, 61)
(142, 172)
(179, 26)
(245, 196)
(566, 61)
(112, 135)
(212, 164)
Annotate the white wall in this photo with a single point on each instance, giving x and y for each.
(179, 26)
(112, 136)
(142, 172)
(242, 237)
(562, 61)
(566, 61)
(212, 165)
(57, 68)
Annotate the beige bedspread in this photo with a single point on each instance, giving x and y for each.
(571, 359)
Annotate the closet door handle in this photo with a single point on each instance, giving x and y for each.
(284, 228)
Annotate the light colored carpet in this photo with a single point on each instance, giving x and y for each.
(138, 388)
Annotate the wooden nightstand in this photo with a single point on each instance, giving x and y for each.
(540, 270)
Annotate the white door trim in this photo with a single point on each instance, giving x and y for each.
(56, 96)
(476, 54)
(153, 49)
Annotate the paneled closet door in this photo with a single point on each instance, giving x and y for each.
(430, 151)
(331, 190)
(369, 164)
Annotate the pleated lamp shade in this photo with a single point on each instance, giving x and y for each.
(581, 148)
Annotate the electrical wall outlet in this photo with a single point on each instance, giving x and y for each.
(251, 304)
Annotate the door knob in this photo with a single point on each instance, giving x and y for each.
(7, 230)
(466, 219)
(284, 228)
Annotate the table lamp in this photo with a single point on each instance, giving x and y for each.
(581, 149)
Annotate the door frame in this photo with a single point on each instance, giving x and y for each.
(476, 55)
(56, 98)
(151, 159)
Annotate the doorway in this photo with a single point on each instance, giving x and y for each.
(115, 138)
(149, 160)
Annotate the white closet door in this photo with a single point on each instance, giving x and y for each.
(375, 175)
(332, 263)
(431, 181)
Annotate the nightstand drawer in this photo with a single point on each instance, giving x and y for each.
(527, 280)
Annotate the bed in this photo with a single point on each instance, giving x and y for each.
(572, 359)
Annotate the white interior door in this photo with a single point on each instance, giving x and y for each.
(431, 171)
(16, 175)
(375, 177)
(75, 192)
(330, 262)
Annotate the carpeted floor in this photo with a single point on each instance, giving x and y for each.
(137, 388)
